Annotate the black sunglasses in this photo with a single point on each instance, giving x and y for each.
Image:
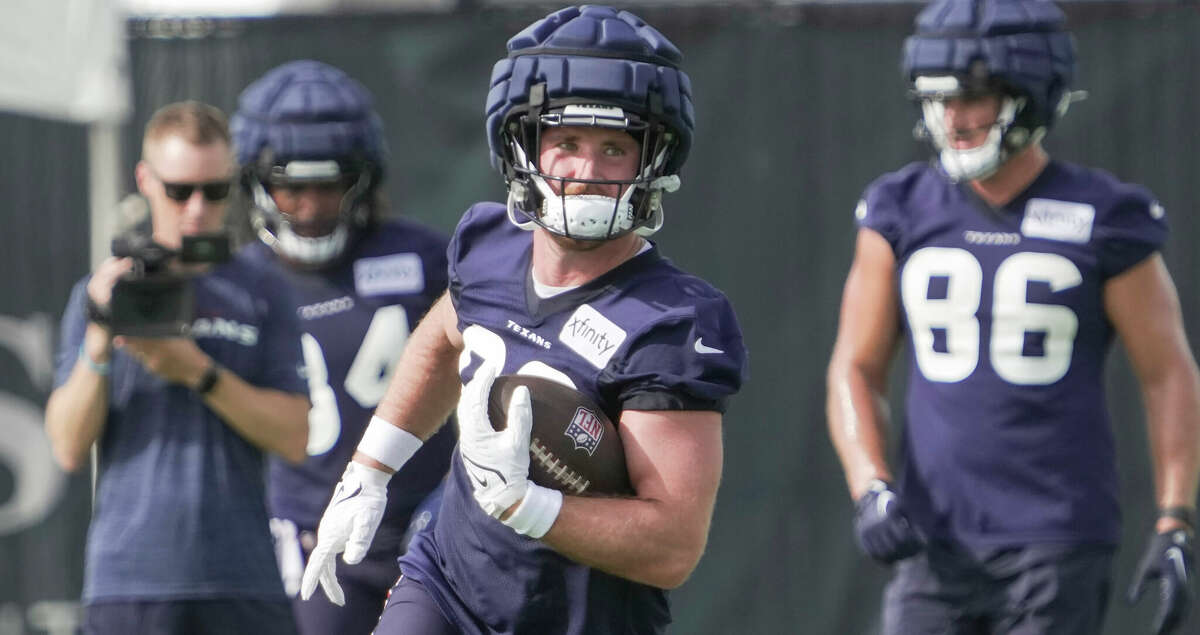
(213, 191)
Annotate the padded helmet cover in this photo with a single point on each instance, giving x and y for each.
(1020, 45)
(307, 110)
(596, 55)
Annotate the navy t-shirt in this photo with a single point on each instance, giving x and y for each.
(356, 317)
(1007, 439)
(180, 510)
(644, 336)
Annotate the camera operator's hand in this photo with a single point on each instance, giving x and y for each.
(100, 287)
(175, 359)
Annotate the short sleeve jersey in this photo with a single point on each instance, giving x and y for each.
(356, 316)
(180, 511)
(1007, 438)
(644, 336)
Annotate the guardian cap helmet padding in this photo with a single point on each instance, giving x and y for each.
(590, 66)
(1018, 49)
(308, 123)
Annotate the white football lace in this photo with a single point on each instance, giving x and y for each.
(558, 470)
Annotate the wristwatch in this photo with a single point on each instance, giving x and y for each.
(98, 314)
(208, 380)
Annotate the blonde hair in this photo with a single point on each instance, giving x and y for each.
(196, 122)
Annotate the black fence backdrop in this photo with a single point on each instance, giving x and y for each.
(798, 108)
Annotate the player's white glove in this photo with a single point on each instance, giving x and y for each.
(497, 462)
(349, 525)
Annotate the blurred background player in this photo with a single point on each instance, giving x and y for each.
(313, 155)
(560, 284)
(1010, 272)
(178, 540)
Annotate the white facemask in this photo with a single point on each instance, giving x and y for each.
(303, 250)
(587, 216)
(971, 163)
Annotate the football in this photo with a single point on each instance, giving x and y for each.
(573, 448)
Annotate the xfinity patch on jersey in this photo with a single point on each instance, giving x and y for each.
(1058, 220)
(397, 273)
(592, 335)
(585, 430)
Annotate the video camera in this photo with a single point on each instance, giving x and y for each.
(154, 299)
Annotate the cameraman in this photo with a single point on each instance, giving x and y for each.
(179, 537)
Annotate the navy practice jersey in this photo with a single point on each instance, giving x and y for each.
(644, 336)
(1007, 439)
(180, 510)
(357, 316)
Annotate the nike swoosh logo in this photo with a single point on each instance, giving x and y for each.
(705, 350)
(1175, 555)
(356, 492)
(483, 481)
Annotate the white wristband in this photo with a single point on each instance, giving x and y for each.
(388, 444)
(537, 511)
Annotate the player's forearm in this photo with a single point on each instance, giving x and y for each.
(270, 419)
(1173, 419)
(422, 394)
(856, 409)
(425, 386)
(648, 541)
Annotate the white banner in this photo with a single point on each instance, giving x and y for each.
(64, 59)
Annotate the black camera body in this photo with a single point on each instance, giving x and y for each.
(154, 299)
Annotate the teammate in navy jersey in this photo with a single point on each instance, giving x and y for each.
(1010, 273)
(313, 155)
(589, 119)
(179, 541)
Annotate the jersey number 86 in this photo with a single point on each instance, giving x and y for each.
(1012, 315)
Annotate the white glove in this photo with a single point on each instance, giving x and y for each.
(498, 462)
(349, 525)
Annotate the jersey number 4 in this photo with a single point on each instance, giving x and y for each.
(366, 381)
(1012, 315)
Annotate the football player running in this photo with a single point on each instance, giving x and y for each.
(313, 156)
(590, 119)
(1010, 273)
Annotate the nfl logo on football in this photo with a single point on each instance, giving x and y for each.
(585, 430)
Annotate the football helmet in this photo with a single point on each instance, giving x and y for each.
(589, 66)
(1016, 49)
(308, 123)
